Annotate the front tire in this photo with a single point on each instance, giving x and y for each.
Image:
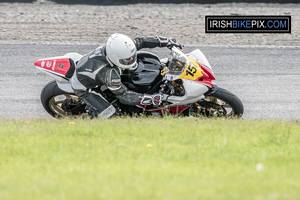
(220, 103)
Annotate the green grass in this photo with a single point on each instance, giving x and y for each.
(138, 159)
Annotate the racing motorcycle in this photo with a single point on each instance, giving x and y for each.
(185, 80)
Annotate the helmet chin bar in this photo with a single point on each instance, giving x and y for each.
(133, 67)
(130, 67)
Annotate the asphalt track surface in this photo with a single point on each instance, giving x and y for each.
(266, 79)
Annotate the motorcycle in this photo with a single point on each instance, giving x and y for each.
(185, 80)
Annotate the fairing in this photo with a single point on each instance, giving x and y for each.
(193, 66)
(60, 66)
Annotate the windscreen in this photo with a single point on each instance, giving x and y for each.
(177, 63)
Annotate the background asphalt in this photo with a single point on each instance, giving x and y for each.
(265, 78)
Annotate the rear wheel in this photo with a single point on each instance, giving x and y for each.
(59, 103)
(220, 103)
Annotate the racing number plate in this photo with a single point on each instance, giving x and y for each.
(192, 71)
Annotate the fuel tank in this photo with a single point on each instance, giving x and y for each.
(146, 78)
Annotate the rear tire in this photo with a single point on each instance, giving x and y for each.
(59, 103)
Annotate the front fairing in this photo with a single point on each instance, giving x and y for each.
(200, 58)
(188, 67)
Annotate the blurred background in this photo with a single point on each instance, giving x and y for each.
(92, 21)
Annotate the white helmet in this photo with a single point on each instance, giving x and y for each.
(121, 51)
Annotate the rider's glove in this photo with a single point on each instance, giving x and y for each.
(154, 99)
(172, 42)
(157, 99)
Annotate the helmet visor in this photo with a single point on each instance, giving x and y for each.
(128, 61)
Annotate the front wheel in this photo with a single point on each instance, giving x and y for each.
(59, 103)
(219, 103)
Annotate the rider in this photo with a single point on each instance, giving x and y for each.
(103, 67)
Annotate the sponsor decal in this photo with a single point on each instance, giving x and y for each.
(53, 66)
(92, 75)
(248, 24)
(61, 66)
(48, 64)
(171, 77)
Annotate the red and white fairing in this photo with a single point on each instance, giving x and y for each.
(60, 68)
(197, 78)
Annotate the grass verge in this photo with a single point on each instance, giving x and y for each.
(139, 158)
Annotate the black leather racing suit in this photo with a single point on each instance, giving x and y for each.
(94, 70)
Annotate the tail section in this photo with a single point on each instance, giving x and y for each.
(57, 67)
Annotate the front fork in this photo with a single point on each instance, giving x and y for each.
(211, 90)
